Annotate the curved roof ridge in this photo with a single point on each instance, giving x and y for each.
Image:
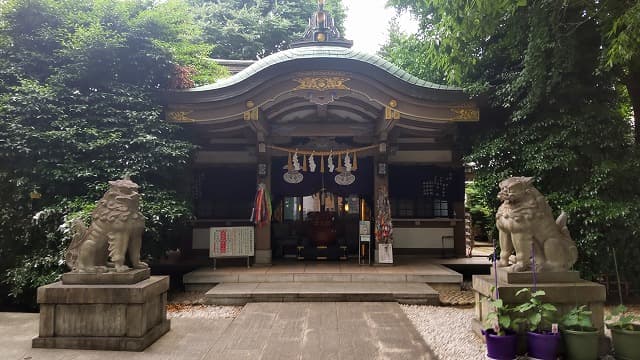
(323, 52)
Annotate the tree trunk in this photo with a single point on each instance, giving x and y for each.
(633, 88)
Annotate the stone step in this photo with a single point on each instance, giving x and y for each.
(242, 293)
(205, 278)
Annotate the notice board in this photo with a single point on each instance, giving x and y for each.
(237, 241)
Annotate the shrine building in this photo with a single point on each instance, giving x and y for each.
(335, 136)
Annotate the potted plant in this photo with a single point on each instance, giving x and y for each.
(580, 337)
(625, 333)
(542, 341)
(501, 340)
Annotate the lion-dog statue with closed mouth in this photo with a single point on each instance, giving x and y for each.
(526, 225)
(116, 229)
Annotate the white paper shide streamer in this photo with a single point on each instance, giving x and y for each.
(347, 163)
(330, 163)
(312, 164)
(296, 163)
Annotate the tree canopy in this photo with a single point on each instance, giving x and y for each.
(251, 29)
(78, 83)
(554, 78)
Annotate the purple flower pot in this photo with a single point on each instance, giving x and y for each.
(543, 346)
(501, 347)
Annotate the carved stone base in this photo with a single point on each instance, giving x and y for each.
(103, 317)
(526, 277)
(564, 295)
(132, 276)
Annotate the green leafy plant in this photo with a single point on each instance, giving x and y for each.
(578, 319)
(621, 318)
(537, 315)
(502, 315)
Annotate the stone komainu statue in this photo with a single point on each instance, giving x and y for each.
(525, 221)
(116, 229)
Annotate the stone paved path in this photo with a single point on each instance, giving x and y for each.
(261, 331)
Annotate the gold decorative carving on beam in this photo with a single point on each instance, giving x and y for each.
(466, 114)
(390, 112)
(179, 116)
(321, 83)
(251, 114)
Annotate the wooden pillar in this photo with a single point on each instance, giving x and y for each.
(263, 233)
(380, 178)
(459, 242)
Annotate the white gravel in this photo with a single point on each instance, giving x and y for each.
(202, 311)
(447, 331)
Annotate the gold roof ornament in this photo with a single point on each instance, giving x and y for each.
(322, 83)
(322, 30)
(466, 114)
(179, 116)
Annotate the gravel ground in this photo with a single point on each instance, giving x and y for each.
(189, 304)
(447, 331)
(202, 311)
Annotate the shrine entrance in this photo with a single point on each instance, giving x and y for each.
(326, 131)
(317, 213)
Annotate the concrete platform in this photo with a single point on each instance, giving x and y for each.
(262, 331)
(412, 270)
(243, 293)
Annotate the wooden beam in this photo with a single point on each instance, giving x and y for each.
(417, 128)
(321, 129)
(416, 140)
(229, 141)
(383, 125)
(227, 129)
(322, 111)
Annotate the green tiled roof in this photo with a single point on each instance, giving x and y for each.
(327, 52)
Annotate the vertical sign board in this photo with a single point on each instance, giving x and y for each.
(365, 227)
(365, 237)
(231, 241)
(385, 254)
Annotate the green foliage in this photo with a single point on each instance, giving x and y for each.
(578, 319)
(621, 24)
(536, 314)
(620, 318)
(410, 52)
(502, 314)
(251, 29)
(78, 107)
(481, 212)
(551, 109)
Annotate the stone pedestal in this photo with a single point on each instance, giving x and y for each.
(103, 316)
(565, 290)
